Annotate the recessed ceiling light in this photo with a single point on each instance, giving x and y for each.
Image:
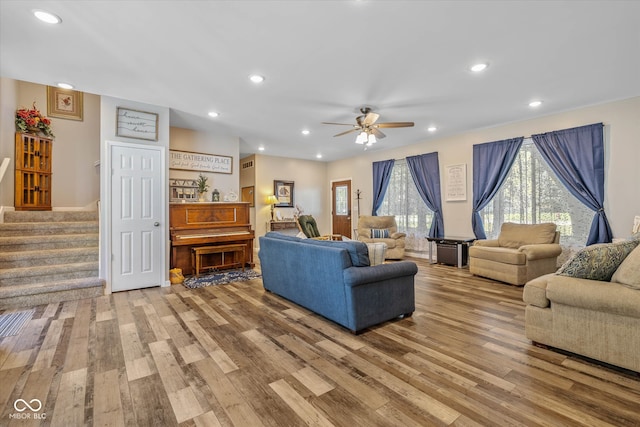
(261, 148)
(479, 67)
(432, 128)
(535, 104)
(47, 17)
(318, 156)
(213, 114)
(65, 86)
(256, 78)
(306, 132)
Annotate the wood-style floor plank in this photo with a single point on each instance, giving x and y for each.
(235, 355)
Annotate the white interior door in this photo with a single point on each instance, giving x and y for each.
(137, 242)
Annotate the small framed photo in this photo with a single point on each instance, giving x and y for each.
(284, 192)
(64, 103)
(136, 124)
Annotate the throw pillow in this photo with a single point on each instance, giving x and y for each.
(376, 252)
(379, 233)
(358, 251)
(599, 261)
(628, 273)
(514, 235)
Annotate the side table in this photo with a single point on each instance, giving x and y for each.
(451, 250)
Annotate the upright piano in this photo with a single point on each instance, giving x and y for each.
(208, 224)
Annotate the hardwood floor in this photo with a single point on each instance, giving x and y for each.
(234, 355)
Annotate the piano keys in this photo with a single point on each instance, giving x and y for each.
(208, 224)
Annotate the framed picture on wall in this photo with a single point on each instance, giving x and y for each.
(64, 103)
(283, 190)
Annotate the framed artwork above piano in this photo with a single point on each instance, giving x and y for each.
(208, 224)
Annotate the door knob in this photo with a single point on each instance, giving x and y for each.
(156, 224)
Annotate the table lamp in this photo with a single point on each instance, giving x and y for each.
(272, 200)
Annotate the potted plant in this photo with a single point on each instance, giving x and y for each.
(202, 187)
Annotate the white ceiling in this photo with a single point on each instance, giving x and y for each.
(324, 59)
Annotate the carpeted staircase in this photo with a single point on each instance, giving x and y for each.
(48, 256)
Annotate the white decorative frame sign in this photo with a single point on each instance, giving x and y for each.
(456, 184)
(136, 124)
(200, 162)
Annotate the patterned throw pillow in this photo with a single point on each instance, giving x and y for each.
(599, 261)
(379, 233)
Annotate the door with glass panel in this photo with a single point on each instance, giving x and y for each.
(341, 207)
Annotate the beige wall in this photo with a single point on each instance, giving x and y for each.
(622, 160)
(76, 179)
(208, 143)
(311, 189)
(8, 102)
(76, 148)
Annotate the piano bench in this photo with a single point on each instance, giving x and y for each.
(198, 256)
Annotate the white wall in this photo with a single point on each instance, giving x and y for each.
(108, 114)
(622, 161)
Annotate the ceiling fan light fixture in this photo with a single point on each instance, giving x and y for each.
(372, 140)
(362, 138)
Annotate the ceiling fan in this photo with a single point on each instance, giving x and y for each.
(368, 128)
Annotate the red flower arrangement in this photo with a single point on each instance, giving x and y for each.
(33, 120)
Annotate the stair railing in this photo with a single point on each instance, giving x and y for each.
(4, 166)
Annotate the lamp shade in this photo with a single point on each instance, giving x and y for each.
(272, 200)
(362, 138)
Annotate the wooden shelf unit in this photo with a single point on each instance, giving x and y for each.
(33, 158)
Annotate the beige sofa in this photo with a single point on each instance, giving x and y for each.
(394, 241)
(599, 319)
(520, 253)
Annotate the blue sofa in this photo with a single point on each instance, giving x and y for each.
(334, 279)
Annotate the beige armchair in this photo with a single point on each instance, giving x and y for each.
(521, 253)
(386, 231)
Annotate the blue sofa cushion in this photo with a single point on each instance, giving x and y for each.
(358, 251)
(282, 236)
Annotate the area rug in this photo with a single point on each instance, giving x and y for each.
(219, 278)
(12, 323)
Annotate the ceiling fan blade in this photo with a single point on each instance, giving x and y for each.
(370, 118)
(377, 133)
(395, 125)
(348, 131)
(341, 124)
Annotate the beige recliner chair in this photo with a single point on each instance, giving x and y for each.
(520, 253)
(382, 229)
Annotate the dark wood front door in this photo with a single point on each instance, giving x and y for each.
(341, 207)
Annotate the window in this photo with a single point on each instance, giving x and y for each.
(403, 201)
(533, 194)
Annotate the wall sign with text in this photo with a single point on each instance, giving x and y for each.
(137, 124)
(456, 184)
(200, 162)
